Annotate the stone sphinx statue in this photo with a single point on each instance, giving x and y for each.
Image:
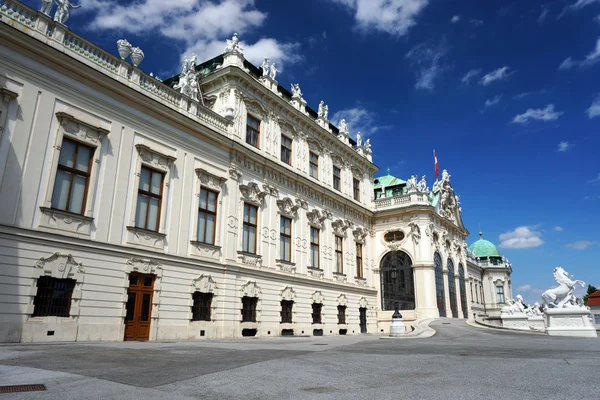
(563, 295)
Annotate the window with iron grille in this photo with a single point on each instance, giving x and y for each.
(252, 130)
(149, 199)
(249, 309)
(53, 297)
(286, 311)
(356, 189)
(285, 239)
(249, 229)
(72, 176)
(201, 306)
(314, 165)
(314, 248)
(359, 260)
(286, 150)
(316, 313)
(337, 174)
(207, 215)
(339, 255)
(500, 294)
(341, 315)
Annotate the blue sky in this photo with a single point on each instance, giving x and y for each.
(507, 92)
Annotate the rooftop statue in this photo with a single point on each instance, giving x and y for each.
(265, 67)
(62, 12)
(188, 84)
(358, 140)
(563, 295)
(296, 92)
(343, 128)
(411, 184)
(47, 6)
(367, 145)
(321, 111)
(422, 185)
(326, 112)
(233, 45)
(273, 71)
(445, 176)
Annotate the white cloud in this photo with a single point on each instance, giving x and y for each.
(592, 58)
(578, 5)
(466, 79)
(496, 75)
(581, 244)
(527, 94)
(545, 114)
(558, 229)
(427, 62)
(595, 180)
(359, 120)
(455, 19)
(543, 15)
(521, 238)
(391, 16)
(564, 146)
(476, 22)
(594, 109)
(493, 101)
(524, 288)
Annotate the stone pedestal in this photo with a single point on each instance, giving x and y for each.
(397, 328)
(516, 321)
(572, 321)
(537, 323)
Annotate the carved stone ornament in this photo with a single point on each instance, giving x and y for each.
(235, 174)
(250, 289)
(316, 218)
(204, 284)
(271, 190)
(288, 294)
(143, 265)
(301, 203)
(287, 267)
(81, 130)
(234, 45)
(154, 158)
(317, 297)
(287, 208)
(415, 231)
(360, 234)
(315, 273)
(59, 265)
(253, 260)
(252, 193)
(210, 180)
(341, 278)
(363, 303)
(342, 300)
(563, 295)
(339, 227)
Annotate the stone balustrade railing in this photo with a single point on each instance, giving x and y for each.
(41, 27)
(404, 200)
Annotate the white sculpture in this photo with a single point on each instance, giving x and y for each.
(367, 146)
(188, 83)
(233, 45)
(534, 310)
(125, 48)
(382, 190)
(321, 111)
(296, 92)
(62, 12)
(563, 295)
(326, 112)
(47, 6)
(358, 140)
(343, 126)
(411, 184)
(422, 185)
(445, 176)
(265, 67)
(273, 71)
(514, 306)
(137, 56)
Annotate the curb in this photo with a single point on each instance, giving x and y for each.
(421, 330)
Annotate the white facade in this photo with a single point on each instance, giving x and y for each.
(58, 90)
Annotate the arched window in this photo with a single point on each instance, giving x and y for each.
(398, 265)
(463, 290)
(439, 285)
(452, 289)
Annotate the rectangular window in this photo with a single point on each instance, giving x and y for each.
(252, 131)
(314, 165)
(316, 313)
(72, 177)
(337, 177)
(149, 199)
(249, 309)
(286, 311)
(286, 150)
(249, 233)
(285, 239)
(339, 255)
(207, 215)
(53, 297)
(500, 294)
(341, 315)
(356, 189)
(359, 260)
(314, 248)
(471, 289)
(201, 307)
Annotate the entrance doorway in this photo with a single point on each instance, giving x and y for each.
(139, 306)
(363, 319)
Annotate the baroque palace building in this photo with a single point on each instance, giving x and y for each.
(215, 204)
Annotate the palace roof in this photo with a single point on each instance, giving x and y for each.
(594, 299)
(484, 248)
(388, 181)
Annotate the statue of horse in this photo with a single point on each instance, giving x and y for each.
(563, 294)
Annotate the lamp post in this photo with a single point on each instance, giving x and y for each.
(397, 328)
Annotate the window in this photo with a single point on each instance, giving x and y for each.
(341, 315)
(285, 239)
(440, 291)
(249, 309)
(207, 214)
(314, 165)
(500, 294)
(397, 281)
(471, 289)
(53, 297)
(286, 311)
(252, 130)
(314, 248)
(72, 177)
(286, 150)
(149, 199)
(356, 188)
(476, 295)
(337, 173)
(339, 255)
(201, 307)
(394, 236)
(249, 234)
(359, 260)
(316, 313)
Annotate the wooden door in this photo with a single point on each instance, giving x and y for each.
(139, 306)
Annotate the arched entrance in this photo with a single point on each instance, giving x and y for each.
(452, 289)
(439, 284)
(397, 282)
(463, 290)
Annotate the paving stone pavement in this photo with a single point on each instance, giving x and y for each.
(459, 362)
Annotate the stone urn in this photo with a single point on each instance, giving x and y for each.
(137, 56)
(124, 48)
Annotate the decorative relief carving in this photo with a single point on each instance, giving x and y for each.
(81, 130)
(146, 237)
(204, 284)
(235, 174)
(415, 232)
(360, 282)
(338, 277)
(250, 289)
(66, 221)
(360, 234)
(252, 193)
(288, 294)
(288, 267)
(210, 180)
(206, 250)
(270, 189)
(154, 158)
(339, 227)
(287, 208)
(363, 303)
(302, 203)
(144, 265)
(59, 265)
(232, 222)
(316, 217)
(315, 272)
(342, 300)
(253, 260)
(317, 297)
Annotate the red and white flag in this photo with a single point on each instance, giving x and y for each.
(437, 167)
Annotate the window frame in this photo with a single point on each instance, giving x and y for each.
(283, 237)
(249, 308)
(339, 254)
(151, 195)
(314, 165)
(315, 245)
(337, 178)
(285, 150)
(319, 320)
(500, 292)
(245, 224)
(287, 312)
(200, 313)
(341, 314)
(46, 309)
(359, 260)
(250, 130)
(356, 188)
(208, 212)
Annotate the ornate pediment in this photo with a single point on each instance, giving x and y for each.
(342, 300)
(210, 180)
(204, 284)
(154, 158)
(360, 234)
(250, 289)
(316, 217)
(317, 297)
(287, 208)
(81, 130)
(288, 294)
(251, 193)
(143, 265)
(339, 227)
(59, 265)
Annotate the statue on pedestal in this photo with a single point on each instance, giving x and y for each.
(296, 92)
(563, 295)
(188, 84)
(343, 128)
(321, 111)
(358, 140)
(63, 11)
(265, 67)
(233, 45)
(47, 6)
(273, 71)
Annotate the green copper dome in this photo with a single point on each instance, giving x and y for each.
(484, 248)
